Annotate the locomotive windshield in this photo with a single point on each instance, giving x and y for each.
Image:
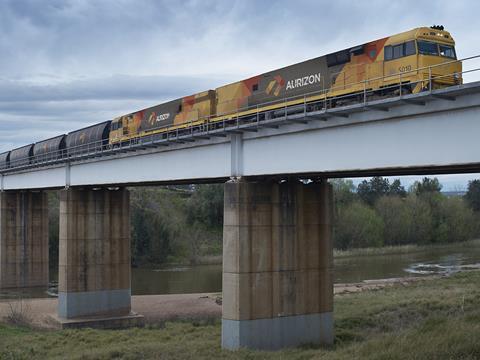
(435, 49)
(447, 51)
(427, 48)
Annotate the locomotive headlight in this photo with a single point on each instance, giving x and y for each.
(456, 78)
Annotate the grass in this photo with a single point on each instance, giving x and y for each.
(437, 319)
(400, 249)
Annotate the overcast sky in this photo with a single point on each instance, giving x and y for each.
(65, 64)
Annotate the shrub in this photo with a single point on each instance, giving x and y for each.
(358, 226)
(398, 219)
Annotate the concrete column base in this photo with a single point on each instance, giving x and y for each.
(278, 333)
(91, 303)
(99, 322)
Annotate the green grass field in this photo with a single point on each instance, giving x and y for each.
(437, 319)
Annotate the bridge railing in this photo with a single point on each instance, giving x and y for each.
(398, 84)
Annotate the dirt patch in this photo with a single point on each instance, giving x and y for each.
(158, 308)
(155, 308)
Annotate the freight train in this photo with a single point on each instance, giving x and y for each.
(415, 60)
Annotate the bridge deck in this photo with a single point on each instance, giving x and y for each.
(431, 132)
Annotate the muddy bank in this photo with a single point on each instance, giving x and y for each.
(341, 289)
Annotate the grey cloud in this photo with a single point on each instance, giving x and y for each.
(70, 63)
(112, 87)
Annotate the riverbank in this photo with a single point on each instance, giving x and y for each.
(432, 319)
(40, 313)
(401, 249)
(200, 260)
(156, 309)
(371, 251)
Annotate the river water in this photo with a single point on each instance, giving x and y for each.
(434, 260)
(208, 278)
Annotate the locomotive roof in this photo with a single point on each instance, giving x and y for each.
(426, 33)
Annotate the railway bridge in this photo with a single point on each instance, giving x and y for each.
(277, 241)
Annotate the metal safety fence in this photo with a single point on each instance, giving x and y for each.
(318, 105)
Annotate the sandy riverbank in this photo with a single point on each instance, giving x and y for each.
(160, 308)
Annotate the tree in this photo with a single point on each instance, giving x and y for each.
(344, 191)
(396, 189)
(457, 221)
(154, 225)
(206, 206)
(473, 194)
(398, 219)
(370, 191)
(426, 186)
(358, 226)
(422, 230)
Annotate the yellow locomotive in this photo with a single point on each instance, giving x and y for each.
(410, 62)
(419, 59)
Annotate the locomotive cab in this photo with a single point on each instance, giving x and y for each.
(437, 58)
(421, 55)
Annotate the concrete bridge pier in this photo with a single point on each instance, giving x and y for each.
(94, 254)
(277, 265)
(23, 239)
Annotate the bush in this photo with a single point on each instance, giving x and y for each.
(473, 194)
(205, 206)
(358, 225)
(176, 224)
(344, 191)
(457, 221)
(422, 227)
(155, 222)
(398, 219)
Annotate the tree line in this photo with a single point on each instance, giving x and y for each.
(379, 213)
(181, 224)
(184, 223)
